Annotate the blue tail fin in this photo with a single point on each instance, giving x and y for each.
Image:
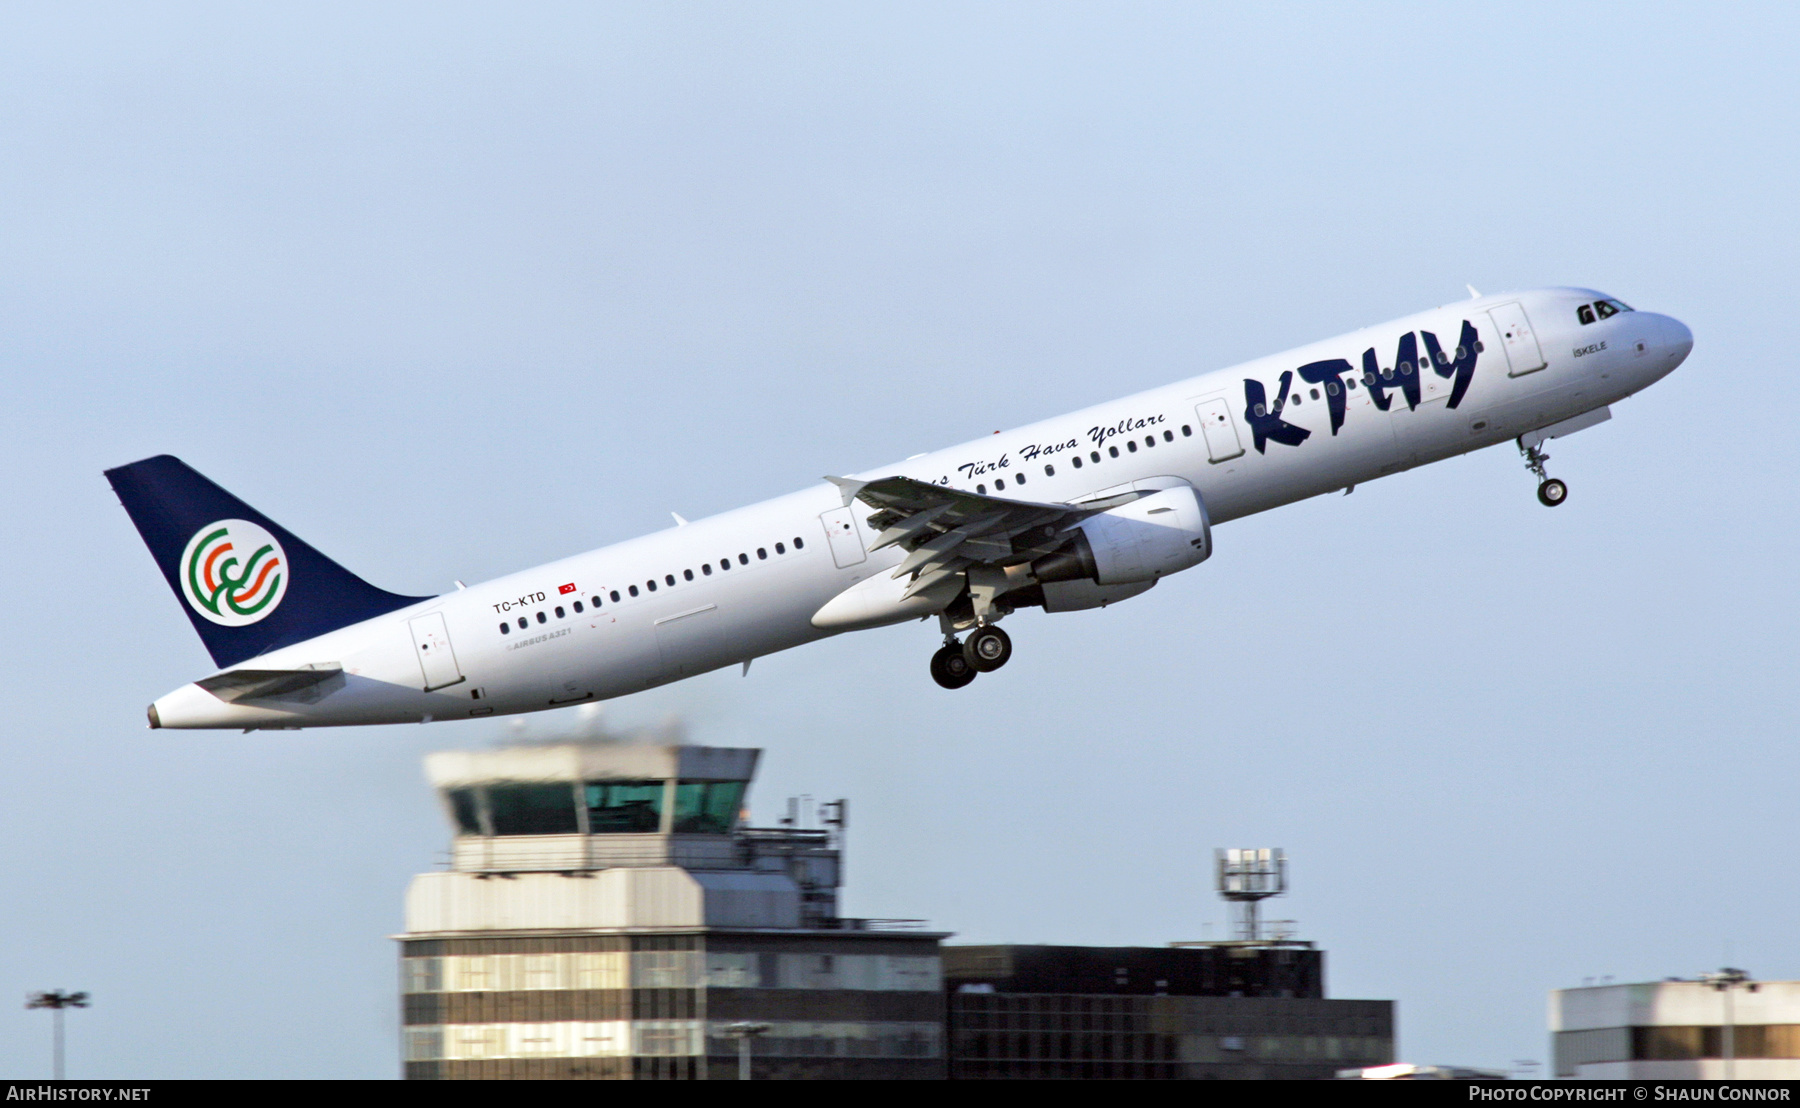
(248, 584)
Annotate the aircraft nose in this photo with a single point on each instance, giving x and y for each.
(1677, 338)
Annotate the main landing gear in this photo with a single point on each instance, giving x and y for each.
(958, 663)
(1551, 491)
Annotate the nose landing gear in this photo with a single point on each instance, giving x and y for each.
(1550, 491)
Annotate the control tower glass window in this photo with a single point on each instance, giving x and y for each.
(532, 809)
(624, 806)
(466, 806)
(707, 807)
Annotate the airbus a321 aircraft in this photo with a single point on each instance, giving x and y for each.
(1080, 511)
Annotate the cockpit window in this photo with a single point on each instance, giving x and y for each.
(1601, 309)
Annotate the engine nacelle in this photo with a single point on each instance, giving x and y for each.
(1145, 540)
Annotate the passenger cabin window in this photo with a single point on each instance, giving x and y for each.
(707, 569)
(559, 611)
(615, 595)
(707, 807)
(543, 618)
(798, 544)
(623, 807)
(670, 578)
(506, 628)
(687, 575)
(632, 590)
(762, 554)
(780, 549)
(577, 606)
(651, 585)
(743, 559)
(1076, 461)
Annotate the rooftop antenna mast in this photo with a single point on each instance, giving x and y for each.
(1246, 877)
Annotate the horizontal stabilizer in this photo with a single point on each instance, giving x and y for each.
(255, 684)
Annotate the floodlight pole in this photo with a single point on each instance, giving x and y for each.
(743, 1031)
(56, 1000)
(1726, 981)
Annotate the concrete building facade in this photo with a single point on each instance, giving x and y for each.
(1237, 1010)
(1678, 1030)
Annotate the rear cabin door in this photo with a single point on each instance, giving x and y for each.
(1220, 431)
(431, 642)
(1518, 339)
(840, 530)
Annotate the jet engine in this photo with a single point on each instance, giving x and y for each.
(1136, 543)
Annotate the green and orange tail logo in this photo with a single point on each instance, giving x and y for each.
(233, 572)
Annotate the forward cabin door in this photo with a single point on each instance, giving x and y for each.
(840, 530)
(431, 642)
(1518, 339)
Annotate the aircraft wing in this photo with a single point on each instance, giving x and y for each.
(945, 531)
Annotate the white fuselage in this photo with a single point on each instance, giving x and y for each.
(766, 600)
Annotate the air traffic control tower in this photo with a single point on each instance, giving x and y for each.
(606, 914)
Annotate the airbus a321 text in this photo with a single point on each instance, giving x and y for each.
(1075, 512)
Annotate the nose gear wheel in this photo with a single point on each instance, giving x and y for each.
(1550, 491)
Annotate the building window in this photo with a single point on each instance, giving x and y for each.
(707, 807)
(624, 806)
(532, 809)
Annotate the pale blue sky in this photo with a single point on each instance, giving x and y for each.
(452, 290)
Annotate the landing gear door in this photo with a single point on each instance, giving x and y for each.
(840, 530)
(1219, 430)
(431, 642)
(1518, 339)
